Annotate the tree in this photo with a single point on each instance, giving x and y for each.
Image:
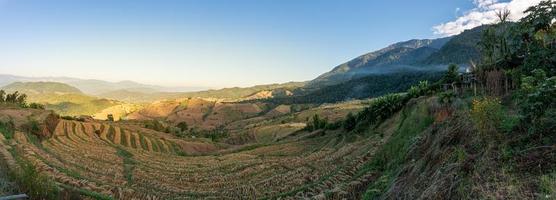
(183, 126)
(503, 15)
(21, 100)
(488, 45)
(350, 122)
(110, 117)
(11, 98)
(2, 96)
(452, 75)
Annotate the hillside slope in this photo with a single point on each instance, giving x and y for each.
(62, 98)
(409, 56)
(39, 88)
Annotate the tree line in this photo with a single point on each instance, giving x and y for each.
(18, 99)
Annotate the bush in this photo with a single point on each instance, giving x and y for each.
(423, 88)
(446, 97)
(183, 126)
(350, 122)
(32, 127)
(538, 106)
(34, 183)
(155, 125)
(487, 114)
(36, 106)
(316, 123)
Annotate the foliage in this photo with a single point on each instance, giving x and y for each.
(487, 114)
(446, 97)
(423, 88)
(538, 106)
(34, 183)
(359, 88)
(389, 159)
(32, 126)
(452, 75)
(381, 108)
(548, 184)
(183, 126)
(36, 106)
(460, 49)
(215, 134)
(316, 123)
(155, 125)
(7, 129)
(110, 117)
(13, 98)
(350, 122)
(129, 163)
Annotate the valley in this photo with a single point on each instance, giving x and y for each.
(465, 116)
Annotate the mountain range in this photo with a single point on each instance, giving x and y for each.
(95, 87)
(415, 57)
(409, 56)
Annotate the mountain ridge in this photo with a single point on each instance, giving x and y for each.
(407, 56)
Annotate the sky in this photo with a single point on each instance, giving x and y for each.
(217, 43)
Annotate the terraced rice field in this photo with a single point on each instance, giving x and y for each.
(127, 162)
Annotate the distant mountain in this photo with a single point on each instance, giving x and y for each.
(94, 87)
(234, 93)
(138, 96)
(409, 56)
(61, 97)
(39, 88)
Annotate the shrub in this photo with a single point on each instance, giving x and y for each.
(538, 106)
(36, 106)
(34, 183)
(155, 125)
(32, 127)
(423, 88)
(350, 122)
(183, 126)
(316, 123)
(446, 97)
(487, 114)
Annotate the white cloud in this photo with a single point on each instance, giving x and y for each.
(484, 13)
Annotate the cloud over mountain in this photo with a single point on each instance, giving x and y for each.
(484, 13)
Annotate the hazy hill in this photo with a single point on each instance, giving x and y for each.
(92, 86)
(35, 88)
(61, 97)
(225, 93)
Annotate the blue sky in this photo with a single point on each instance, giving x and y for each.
(214, 43)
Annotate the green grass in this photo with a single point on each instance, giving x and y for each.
(7, 129)
(123, 138)
(391, 156)
(129, 163)
(143, 142)
(32, 182)
(547, 185)
(86, 193)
